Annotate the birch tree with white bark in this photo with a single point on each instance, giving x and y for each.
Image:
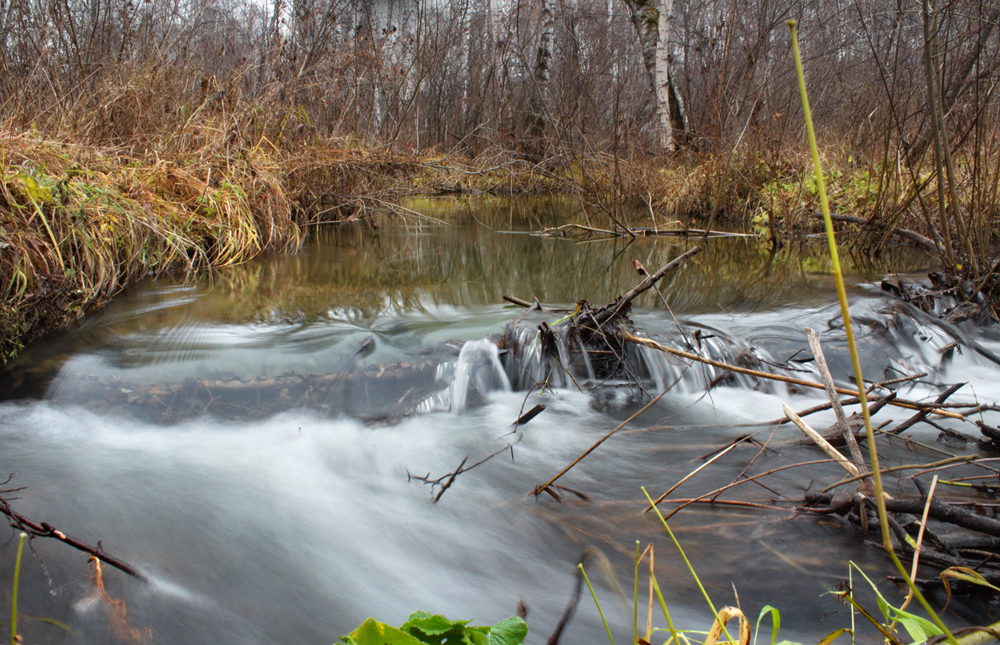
(651, 19)
(540, 107)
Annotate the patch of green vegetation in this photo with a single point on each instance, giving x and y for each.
(423, 628)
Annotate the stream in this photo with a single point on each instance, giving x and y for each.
(291, 510)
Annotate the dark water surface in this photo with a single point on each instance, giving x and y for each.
(292, 518)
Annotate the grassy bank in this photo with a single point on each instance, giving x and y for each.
(80, 222)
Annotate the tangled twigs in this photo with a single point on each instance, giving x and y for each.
(852, 469)
(43, 529)
(831, 392)
(445, 481)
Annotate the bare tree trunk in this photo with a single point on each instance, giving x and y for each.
(661, 79)
(651, 19)
(540, 111)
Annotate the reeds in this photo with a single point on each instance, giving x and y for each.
(13, 598)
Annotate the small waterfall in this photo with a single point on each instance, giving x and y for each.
(919, 340)
(539, 353)
(478, 368)
(557, 355)
(693, 376)
(535, 352)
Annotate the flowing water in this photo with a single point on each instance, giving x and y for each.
(255, 440)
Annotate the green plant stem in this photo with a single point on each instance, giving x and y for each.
(855, 361)
(666, 612)
(689, 565)
(635, 602)
(13, 600)
(594, 596)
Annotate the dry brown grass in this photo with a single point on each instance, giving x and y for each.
(79, 222)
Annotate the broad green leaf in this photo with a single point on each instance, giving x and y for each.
(508, 632)
(423, 628)
(432, 625)
(775, 623)
(919, 629)
(475, 636)
(372, 632)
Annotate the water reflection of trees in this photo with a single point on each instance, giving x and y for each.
(483, 253)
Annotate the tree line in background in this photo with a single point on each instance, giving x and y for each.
(545, 76)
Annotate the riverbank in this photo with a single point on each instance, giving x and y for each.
(79, 222)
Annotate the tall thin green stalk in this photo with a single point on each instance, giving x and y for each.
(635, 600)
(13, 600)
(690, 567)
(855, 361)
(594, 596)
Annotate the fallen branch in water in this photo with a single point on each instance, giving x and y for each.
(846, 431)
(620, 305)
(922, 415)
(711, 496)
(833, 434)
(910, 405)
(718, 455)
(939, 510)
(933, 247)
(43, 529)
(539, 489)
(589, 232)
(520, 303)
(950, 461)
(852, 469)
